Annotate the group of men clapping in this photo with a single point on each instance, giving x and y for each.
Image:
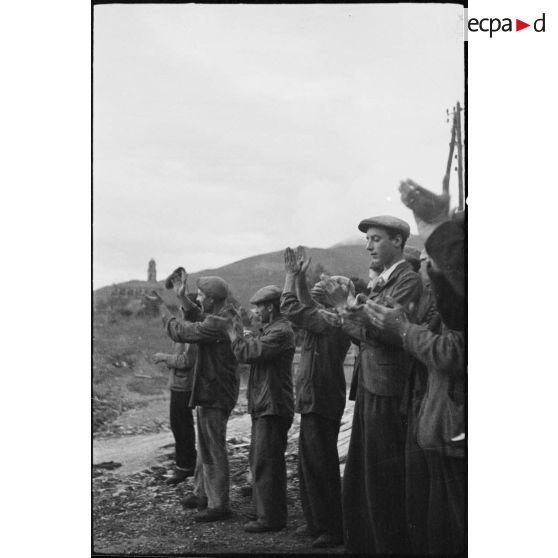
(404, 480)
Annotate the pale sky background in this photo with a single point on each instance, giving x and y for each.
(226, 131)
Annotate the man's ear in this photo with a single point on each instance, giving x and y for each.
(397, 240)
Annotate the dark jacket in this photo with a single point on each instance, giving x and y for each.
(270, 354)
(182, 365)
(382, 367)
(441, 414)
(320, 383)
(216, 377)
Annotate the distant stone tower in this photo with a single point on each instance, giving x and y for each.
(152, 271)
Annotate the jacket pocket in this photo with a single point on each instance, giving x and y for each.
(453, 423)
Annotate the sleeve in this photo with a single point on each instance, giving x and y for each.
(184, 360)
(446, 246)
(354, 331)
(305, 317)
(408, 290)
(192, 314)
(182, 331)
(443, 351)
(258, 349)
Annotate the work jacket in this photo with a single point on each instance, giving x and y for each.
(382, 366)
(182, 364)
(216, 376)
(270, 354)
(440, 424)
(320, 382)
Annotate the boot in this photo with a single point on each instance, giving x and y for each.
(192, 501)
(180, 475)
(212, 514)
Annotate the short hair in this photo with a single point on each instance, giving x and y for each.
(276, 303)
(392, 233)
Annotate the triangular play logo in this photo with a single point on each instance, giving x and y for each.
(519, 25)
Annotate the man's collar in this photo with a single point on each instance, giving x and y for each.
(268, 325)
(385, 275)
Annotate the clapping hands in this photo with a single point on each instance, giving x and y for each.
(296, 263)
(154, 298)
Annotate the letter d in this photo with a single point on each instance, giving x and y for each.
(541, 30)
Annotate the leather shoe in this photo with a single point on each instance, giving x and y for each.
(304, 531)
(325, 540)
(180, 475)
(260, 527)
(212, 514)
(192, 501)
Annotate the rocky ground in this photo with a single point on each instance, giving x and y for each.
(134, 511)
(139, 514)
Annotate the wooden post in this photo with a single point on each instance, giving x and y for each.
(446, 180)
(459, 157)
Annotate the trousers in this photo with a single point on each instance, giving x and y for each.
(374, 479)
(267, 464)
(182, 426)
(319, 476)
(446, 504)
(212, 476)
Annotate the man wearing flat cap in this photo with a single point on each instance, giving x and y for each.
(270, 402)
(214, 393)
(374, 478)
(321, 393)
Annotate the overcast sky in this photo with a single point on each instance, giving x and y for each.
(226, 131)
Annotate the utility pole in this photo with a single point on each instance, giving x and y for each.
(455, 139)
(461, 205)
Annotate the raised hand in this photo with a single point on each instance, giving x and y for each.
(159, 357)
(291, 264)
(154, 298)
(426, 205)
(301, 260)
(180, 282)
(336, 292)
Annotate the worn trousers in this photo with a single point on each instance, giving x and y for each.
(212, 477)
(267, 464)
(417, 490)
(319, 476)
(446, 504)
(374, 479)
(182, 426)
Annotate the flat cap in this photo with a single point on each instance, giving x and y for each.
(386, 222)
(212, 286)
(266, 294)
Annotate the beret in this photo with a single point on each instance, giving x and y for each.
(266, 294)
(212, 286)
(410, 253)
(386, 222)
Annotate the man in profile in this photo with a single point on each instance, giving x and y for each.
(374, 478)
(214, 393)
(270, 403)
(320, 394)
